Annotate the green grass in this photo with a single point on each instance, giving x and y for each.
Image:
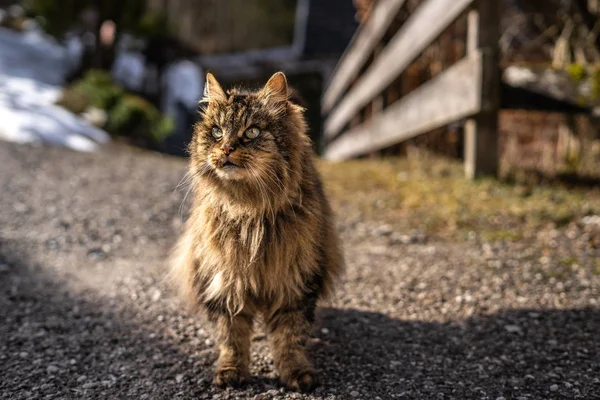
(431, 194)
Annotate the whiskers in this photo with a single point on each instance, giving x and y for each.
(189, 182)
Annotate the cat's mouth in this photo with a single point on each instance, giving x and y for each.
(229, 164)
(229, 170)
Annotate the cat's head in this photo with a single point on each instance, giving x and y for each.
(249, 138)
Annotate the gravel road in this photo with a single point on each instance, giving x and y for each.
(85, 311)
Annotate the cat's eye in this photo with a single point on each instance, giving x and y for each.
(252, 133)
(217, 133)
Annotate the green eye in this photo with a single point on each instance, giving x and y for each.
(217, 133)
(252, 133)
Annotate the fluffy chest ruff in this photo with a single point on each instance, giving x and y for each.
(254, 262)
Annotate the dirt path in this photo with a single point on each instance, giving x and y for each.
(85, 313)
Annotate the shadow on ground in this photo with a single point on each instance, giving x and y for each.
(518, 353)
(58, 344)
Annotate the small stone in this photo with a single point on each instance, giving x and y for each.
(553, 388)
(383, 230)
(179, 378)
(52, 369)
(405, 239)
(529, 377)
(500, 398)
(81, 378)
(20, 207)
(513, 329)
(23, 354)
(96, 254)
(354, 393)
(156, 295)
(325, 331)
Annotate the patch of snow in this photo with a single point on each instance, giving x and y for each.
(33, 66)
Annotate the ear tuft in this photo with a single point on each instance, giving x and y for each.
(213, 90)
(276, 89)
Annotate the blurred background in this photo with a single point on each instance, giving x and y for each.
(455, 288)
(134, 70)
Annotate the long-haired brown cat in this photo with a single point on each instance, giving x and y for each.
(260, 238)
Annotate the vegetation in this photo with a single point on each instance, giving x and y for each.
(59, 16)
(430, 194)
(128, 115)
(134, 116)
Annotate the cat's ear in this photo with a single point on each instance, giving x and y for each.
(276, 90)
(212, 90)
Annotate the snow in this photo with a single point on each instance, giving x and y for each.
(33, 68)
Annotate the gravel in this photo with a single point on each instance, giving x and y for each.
(85, 311)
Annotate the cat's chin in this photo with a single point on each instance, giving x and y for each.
(230, 173)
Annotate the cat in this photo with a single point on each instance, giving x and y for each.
(260, 239)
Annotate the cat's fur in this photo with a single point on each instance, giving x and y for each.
(260, 238)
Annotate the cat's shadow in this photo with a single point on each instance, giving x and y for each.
(516, 352)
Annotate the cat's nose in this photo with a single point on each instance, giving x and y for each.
(227, 148)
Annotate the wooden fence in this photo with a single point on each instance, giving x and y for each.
(468, 90)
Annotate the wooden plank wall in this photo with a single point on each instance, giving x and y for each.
(469, 89)
(453, 94)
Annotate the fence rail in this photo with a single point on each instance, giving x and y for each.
(468, 89)
(452, 95)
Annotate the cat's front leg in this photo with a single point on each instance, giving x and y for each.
(289, 331)
(233, 336)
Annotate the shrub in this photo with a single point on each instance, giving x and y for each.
(74, 100)
(100, 90)
(128, 115)
(162, 129)
(95, 89)
(135, 117)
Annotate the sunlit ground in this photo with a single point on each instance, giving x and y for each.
(432, 195)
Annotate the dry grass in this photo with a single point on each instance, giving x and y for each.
(431, 194)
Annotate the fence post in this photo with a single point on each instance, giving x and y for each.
(481, 132)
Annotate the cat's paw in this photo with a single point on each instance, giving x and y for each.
(303, 381)
(232, 377)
